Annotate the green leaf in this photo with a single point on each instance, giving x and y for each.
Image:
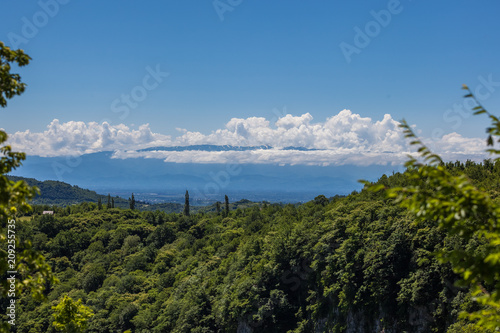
(377, 188)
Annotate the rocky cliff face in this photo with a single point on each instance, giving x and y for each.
(418, 321)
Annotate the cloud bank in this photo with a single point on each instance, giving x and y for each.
(345, 138)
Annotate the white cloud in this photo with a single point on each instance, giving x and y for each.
(290, 121)
(344, 130)
(78, 138)
(345, 138)
(272, 156)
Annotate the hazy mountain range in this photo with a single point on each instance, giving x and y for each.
(105, 174)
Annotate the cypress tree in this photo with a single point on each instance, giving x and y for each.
(109, 201)
(186, 204)
(112, 203)
(132, 202)
(99, 203)
(217, 207)
(226, 199)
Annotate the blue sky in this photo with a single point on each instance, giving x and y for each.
(264, 59)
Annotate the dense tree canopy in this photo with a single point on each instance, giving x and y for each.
(71, 316)
(462, 210)
(326, 265)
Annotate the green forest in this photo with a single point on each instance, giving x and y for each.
(345, 264)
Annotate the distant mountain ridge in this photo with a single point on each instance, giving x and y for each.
(56, 191)
(220, 148)
(205, 148)
(287, 183)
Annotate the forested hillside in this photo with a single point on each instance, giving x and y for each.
(55, 194)
(58, 193)
(345, 264)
